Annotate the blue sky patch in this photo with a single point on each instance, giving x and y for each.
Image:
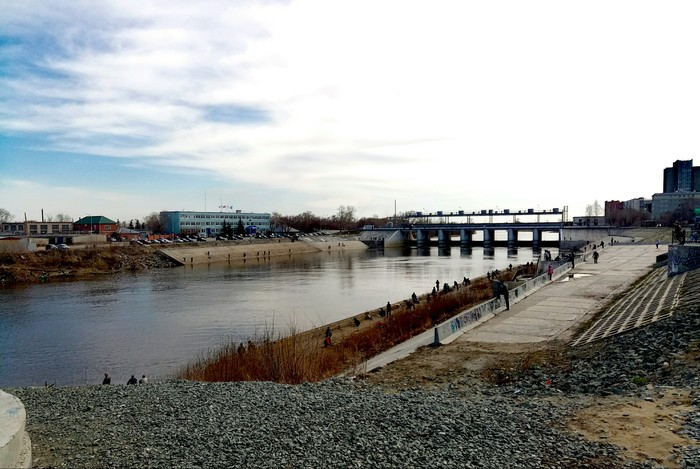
(234, 114)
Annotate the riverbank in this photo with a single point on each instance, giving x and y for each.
(76, 264)
(630, 401)
(246, 250)
(299, 357)
(84, 263)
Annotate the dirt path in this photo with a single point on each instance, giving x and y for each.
(645, 429)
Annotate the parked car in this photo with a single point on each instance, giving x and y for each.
(51, 247)
(62, 246)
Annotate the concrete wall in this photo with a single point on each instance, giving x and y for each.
(396, 239)
(15, 446)
(682, 258)
(17, 245)
(449, 330)
(574, 237)
(209, 252)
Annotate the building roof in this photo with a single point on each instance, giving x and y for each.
(128, 231)
(94, 220)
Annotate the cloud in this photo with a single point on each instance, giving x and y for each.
(440, 103)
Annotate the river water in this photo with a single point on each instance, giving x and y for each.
(154, 322)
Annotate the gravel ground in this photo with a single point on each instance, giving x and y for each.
(342, 423)
(337, 423)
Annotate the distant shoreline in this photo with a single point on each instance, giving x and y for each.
(224, 251)
(26, 268)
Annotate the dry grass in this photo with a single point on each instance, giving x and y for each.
(507, 370)
(74, 262)
(299, 357)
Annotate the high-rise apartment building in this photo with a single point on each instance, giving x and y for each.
(682, 177)
(681, 189)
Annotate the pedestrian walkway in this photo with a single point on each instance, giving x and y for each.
(552, 311)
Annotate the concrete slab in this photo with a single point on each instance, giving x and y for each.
(505, 338)
(15, 446)
(535, 322)
(555, 316)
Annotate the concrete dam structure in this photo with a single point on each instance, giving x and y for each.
(466, 235)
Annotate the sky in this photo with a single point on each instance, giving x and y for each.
(124, 108)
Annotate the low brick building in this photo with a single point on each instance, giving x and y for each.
(95, 224)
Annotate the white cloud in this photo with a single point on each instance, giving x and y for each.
(441, 105)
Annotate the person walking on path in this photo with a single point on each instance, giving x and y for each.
(595, 257)
(550, 271)
(571, 259)
(657, 244)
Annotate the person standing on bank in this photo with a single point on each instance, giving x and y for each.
(388, 309)
(107, 379)
(503, 290)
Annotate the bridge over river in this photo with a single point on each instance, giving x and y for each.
(487, 228)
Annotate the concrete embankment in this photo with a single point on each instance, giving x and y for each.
(15, 446)
(224, 251)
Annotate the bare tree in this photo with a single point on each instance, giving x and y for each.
(5, 216)
(593, 210)
(61, 217)
(345, 217)
(154, 222)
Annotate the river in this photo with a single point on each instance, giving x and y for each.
(153, 322)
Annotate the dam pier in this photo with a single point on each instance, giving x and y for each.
(487, 228)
